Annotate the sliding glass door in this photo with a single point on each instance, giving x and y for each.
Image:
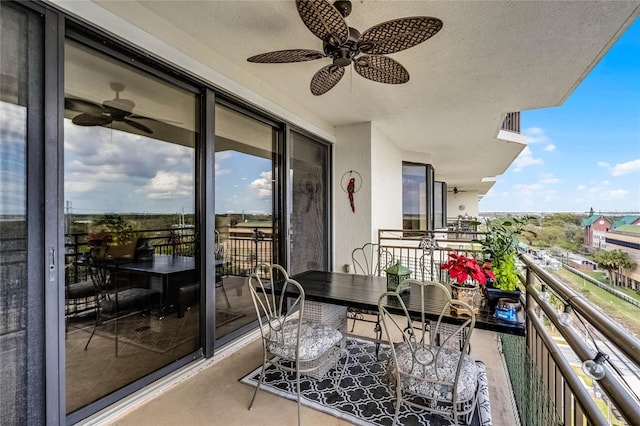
(247, 220)
(309, 206)
(130, 224)
(22, 381)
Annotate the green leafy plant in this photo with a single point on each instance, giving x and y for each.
(119, 230)
(500, 247)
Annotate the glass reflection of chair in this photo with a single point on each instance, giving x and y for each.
(113, 303)
(220, 266)
(431, 368)
(300, 347)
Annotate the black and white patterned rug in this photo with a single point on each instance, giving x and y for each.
(365, 399)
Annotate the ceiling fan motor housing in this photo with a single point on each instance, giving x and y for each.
(343, 54)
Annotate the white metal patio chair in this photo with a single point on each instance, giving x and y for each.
(370, 260)
(289, 344)
(430, 368)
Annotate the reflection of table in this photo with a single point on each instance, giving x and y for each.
(361, 291)
(172, 271)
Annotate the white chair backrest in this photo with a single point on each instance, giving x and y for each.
(371, 259)
(268, 286)
(426, 338)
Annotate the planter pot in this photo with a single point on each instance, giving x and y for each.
(495, 294)
(469, 295)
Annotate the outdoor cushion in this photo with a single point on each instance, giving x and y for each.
(315, 339)
(447, 363)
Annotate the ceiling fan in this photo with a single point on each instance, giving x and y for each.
(346, 45)
(117, 109)
(455, 190)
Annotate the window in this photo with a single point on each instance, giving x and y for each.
(440, 205)
(418, 196)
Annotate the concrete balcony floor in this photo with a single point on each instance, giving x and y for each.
(214, 396)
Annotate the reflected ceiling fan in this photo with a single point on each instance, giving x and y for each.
(346, 45)
(117, 109)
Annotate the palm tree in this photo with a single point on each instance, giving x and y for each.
(614, 261)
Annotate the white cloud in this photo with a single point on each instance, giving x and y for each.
(169, 185)
(526, 159)
(618, 193)
(263, 185)
(581, 188)
(550, 147)
(603, 164)
(626, 168)
(550, 179)
(536, 135)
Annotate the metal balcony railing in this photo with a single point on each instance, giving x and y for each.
(511, 122)
(546, 388)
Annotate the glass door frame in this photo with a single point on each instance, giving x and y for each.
(327, 220)
(279, 164)
(95, 40)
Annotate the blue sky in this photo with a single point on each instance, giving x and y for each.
(585, 153)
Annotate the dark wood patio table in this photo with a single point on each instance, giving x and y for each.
(361, 291)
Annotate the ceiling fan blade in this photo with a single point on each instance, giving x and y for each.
(138, 126)
(158, 120)
(323, 20)
(325, 79)
(398, 34)
(81, 105)
(381, 69)
(285, 56)
(85, 119)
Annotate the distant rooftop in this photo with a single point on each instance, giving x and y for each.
(630, 229)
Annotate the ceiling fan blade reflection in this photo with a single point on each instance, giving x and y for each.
(398, 34)
(85, 119)
(325, 79)
(381, 69)
(323, 20)
(138, 126)
(81, 105)
(286, 56)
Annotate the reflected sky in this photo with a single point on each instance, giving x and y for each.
(13, 170)
(120, 172)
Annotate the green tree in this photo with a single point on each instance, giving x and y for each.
(613, 261)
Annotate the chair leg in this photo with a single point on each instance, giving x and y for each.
(255, 392)
(224, 293)
(95, 325)
(378, 330)
(298, 390)
(398, 403)
(344, 367)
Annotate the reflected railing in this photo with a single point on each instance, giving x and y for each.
(243, 249)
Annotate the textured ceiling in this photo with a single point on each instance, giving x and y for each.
(490, 58)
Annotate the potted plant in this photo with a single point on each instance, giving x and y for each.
(500, 247)
(114, 236)
(467, 275)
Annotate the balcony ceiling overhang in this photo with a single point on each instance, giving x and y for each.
(489, 59)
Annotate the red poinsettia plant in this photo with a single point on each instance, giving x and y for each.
(462, 268)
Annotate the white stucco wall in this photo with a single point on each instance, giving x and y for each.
(468, 199)
(386, 183)
(352, 151)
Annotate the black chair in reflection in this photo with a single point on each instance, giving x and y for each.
(113, 302)
(220, 266)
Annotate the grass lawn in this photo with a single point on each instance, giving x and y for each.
(616, 308)
(602, 277)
